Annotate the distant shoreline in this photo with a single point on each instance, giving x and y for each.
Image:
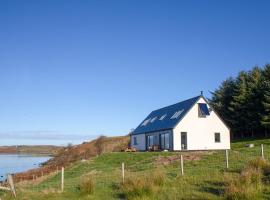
(30, 149)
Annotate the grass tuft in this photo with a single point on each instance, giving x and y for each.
(142, 187)
(87, 186)
(249, 183)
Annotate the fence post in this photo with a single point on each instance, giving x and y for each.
(62, 179)
(182, 164)
(227, 158)
(11, 184)
(262, 151)
(123, 172)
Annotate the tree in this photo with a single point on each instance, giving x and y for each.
(99, 144)
(221, 100)
(253, 101)
(238, 104)
(244, 102)
(265, 116)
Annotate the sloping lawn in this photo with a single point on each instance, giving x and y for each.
(148, 175)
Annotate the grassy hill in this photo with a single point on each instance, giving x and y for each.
(156, 175)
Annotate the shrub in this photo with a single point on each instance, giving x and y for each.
(87, 186)
(99, 144)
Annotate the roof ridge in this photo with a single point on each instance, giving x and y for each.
(177, 103)
(168, 122)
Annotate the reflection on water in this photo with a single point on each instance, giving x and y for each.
(13, 163)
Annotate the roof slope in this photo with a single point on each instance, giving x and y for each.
(165, 123)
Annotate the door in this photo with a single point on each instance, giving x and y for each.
(183, 140)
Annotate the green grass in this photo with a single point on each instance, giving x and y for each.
(203, 178)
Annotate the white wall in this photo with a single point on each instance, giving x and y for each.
(201, 131)
(140, 142)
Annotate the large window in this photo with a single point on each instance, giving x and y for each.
(217, 137)
(150, 140)
(203, 110)
(165, 141)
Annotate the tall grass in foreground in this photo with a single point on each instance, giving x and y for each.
(87, 186)
(142, 187)
(249, 183)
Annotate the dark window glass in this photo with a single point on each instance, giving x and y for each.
(217, 137)
(203, 110)
(150, 140)
(135, 141)
(165, 141)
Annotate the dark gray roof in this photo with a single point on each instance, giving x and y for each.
(158, 124)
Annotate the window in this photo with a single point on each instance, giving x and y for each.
(154, 119)
(145, 122)
(135, 141)
(177, 114)
(165, 141)
(217, 137)
(203, 110)
(162, 117)
(150, 140)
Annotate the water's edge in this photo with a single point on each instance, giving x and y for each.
(16, 163)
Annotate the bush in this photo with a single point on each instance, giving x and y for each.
(99, 144)
(87, 186)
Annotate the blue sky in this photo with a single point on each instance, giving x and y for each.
(84, 68)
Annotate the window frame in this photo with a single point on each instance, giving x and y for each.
(165, 141)
(200, 111)
(135, 142)
(219, 137)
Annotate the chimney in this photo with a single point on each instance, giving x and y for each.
(201, 93)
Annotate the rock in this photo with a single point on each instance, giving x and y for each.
(249, 145)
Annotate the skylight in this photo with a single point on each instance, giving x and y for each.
(162, 117)
(177, 114)
(154, 119)
(146, 122)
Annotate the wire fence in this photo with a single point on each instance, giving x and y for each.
(192, 167)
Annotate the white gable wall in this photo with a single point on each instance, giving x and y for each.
(201, 131)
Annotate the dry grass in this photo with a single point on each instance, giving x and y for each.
(142, 187)
(245, 186)
(249, 183)
(87, 186)
(88, 150)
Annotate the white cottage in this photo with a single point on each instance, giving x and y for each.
(188, 125)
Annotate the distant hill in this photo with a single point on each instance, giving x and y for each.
(30, 149)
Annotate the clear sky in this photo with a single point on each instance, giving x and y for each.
(84, 68)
